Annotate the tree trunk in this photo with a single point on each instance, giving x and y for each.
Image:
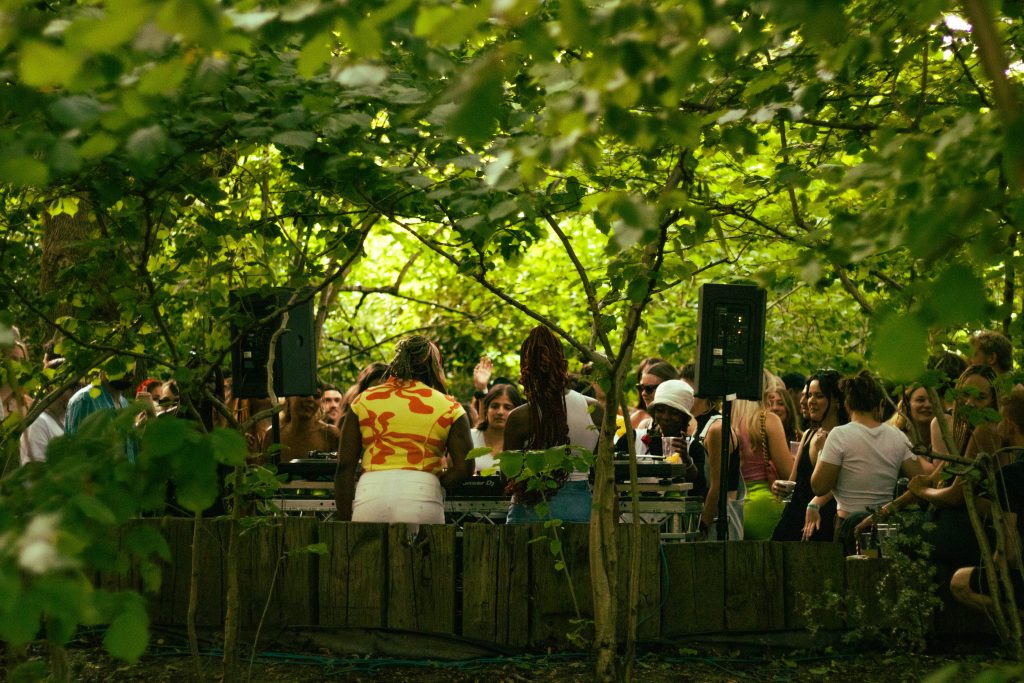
(604, 556)
(1009, 277)
(193, 598)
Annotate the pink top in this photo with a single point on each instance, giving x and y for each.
(753, 464)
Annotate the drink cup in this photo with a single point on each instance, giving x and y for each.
(794, 448)
(787, 487)
(866, 544)
(887, 535)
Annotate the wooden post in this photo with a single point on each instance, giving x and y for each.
(754, 590)
(273, 567)
(352, 577)
(812, 569)
(649, 612)
(552, 610)
(694, 589)
(170, 606)
(421, 579)
(863, 579)
(496, 583)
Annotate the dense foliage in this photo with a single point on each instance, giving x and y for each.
(469, 169)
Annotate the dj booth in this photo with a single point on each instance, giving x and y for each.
(309, 490)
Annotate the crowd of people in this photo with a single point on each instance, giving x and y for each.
(822, 457)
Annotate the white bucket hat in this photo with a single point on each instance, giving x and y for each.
(674, 393)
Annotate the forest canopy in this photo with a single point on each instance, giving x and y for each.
(406, 159)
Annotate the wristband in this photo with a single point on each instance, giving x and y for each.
(813, 506)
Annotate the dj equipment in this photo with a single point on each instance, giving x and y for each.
(480, 487)
(309, 469)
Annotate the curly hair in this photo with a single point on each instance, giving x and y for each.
(545, 377)
(418, 358)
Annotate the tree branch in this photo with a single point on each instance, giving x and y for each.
(851, 288)
(588, 287)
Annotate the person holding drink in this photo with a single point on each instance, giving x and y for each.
(671, 406)
(808, 517)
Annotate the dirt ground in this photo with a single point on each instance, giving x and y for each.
(171, 664)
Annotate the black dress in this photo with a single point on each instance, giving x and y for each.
(791, 525)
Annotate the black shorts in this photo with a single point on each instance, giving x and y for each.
(979, 581)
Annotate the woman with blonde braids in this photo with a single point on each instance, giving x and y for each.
(401, 430)
(552, 416)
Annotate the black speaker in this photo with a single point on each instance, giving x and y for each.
(730, 341)
(295, 356)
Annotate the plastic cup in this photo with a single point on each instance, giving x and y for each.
(866, 544)
(787, 486)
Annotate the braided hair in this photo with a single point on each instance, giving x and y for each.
(545, 377)
(418, 358)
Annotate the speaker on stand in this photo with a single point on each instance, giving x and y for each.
(294, 367)
(730, 361)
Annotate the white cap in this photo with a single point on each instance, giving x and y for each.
(674, 393)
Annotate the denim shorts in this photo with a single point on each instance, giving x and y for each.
(572, 503)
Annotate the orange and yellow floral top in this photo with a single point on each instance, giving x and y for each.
(404, 425)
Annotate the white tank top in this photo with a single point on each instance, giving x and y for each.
(582, 431)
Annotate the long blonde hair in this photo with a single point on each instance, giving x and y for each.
(746, 415)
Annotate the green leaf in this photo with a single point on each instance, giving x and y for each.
(24, 171)
(314, 54)
(163, 79)
(164, 437)
(77, 111)
(94, 509)
(115, 27)
(196, 482)
(44, 65)
(98, 145)
(900, 347)
(128, 634)
(478, 102)
(302, 139)
(196, 20)
(146, 146)
(229, 447)
(478, 452)
(143, 541)
(511, 463)
(555, 546)
(362, 75)
(957, 296)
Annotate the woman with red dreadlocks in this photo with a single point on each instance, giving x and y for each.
(552, 416)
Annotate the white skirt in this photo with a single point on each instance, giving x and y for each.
(399, 496)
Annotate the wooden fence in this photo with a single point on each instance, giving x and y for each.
(500, 584)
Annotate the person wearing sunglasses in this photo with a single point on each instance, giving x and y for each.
(649, 378)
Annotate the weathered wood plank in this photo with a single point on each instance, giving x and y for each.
(812, 570)
(649, 614)
(694, 589)
(514, 572)
(495, 583)
(863, 595)
(170, 605)
(278, 576)
(421, 579)
(754, 591)
(552, 610)
(352, 577)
